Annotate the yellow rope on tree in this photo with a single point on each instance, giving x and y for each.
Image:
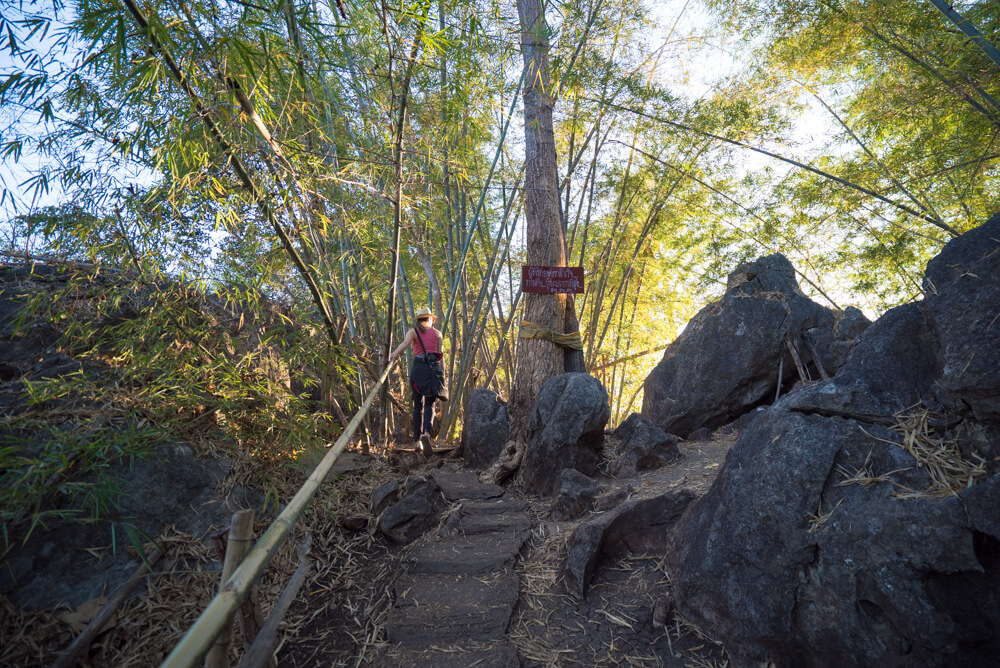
(529, 330)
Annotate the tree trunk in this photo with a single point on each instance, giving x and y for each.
(538, 360)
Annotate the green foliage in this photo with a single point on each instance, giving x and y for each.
(163, 362)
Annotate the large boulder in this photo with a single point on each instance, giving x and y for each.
(566, 430)
(727, 360)
(855, 521)
(643, 446)
(417, 507)
(484, 428)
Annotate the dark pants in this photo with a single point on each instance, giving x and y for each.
(423, 414)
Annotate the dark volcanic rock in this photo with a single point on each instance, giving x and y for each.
(484, 428)
(637, 527)
(418, 509)
(566, 431)
(644, 446)
(727, 359)
(790, 558)
(892, 368)
(750, 563)
(576, 493)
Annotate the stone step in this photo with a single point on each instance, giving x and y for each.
(458, 485)
(436, 608)
(500, 515)
(467, 554)
(498, 654)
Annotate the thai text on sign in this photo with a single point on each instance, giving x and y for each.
(551, 280)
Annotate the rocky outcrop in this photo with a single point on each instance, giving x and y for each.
(855, 521)
(643, 446)
(634, 528)
(566, 430)
(727, 360)
(484, 428)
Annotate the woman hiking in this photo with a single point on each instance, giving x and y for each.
(424, 375)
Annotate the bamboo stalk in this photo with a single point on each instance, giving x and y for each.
(220, 611)
(261, 652)
(240, 535)
(803, 373)
(827, 175)
(83, 641)
(963, 24)
(239, 167)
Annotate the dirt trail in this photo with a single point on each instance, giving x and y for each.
(493, 565)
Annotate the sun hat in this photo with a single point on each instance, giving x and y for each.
(424, 313)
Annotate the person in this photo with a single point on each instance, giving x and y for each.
(427, 353)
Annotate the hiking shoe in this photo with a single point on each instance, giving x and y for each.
(425, 444)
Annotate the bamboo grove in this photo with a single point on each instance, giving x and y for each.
(354, 161)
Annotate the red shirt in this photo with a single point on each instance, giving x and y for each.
(430, 337)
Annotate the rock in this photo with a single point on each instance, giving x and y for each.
(354, 522)
(645, 446)
(783, 562)
(471, 554)
(484, 428)
(566, 430)
(576, 493)
(700, 434)
(893, 367)
(637, 527)
(34, 575)
(613, 499)
(663, 612)
(418, 509)
(726, 361)
(458, 485)
(740, 423)
(384, 495)
(444, 609)
(352, 463)
(940, 352)
(501, 515)
(964, 313)
(962, 257)
(789, 558)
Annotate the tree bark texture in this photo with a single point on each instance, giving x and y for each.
(538, 360)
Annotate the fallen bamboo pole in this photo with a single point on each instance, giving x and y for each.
(220, 611)
(83, 641)
(260, 652)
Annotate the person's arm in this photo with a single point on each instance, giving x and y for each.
(407, 340)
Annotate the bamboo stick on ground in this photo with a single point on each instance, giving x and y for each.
(83, 641)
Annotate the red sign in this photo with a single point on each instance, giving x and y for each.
(551, 280)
